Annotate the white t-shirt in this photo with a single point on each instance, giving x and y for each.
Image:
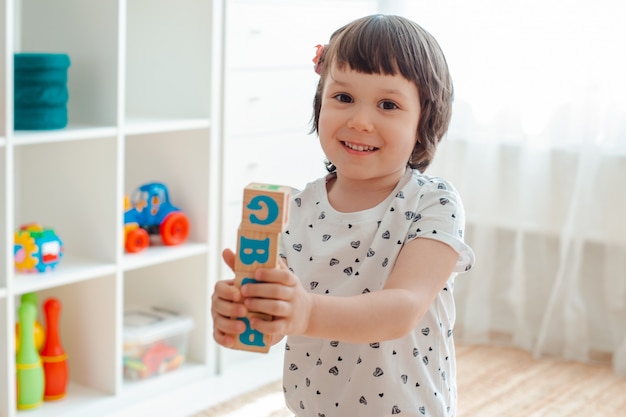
(344, 254)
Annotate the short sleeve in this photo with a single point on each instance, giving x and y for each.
(440, 215)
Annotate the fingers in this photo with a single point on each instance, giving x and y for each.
(280, 276)
(226, 290)
(229, 257)
(276, 327)
(277, 293)
(225, 330)
(225, 308)
(224, 339)
(226, 301)
(274, 308)
(264, 289)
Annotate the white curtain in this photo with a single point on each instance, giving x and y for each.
(537, 148)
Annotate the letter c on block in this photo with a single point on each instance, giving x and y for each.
(257, 203)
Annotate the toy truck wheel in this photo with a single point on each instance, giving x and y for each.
(137, 240)
(174, 229)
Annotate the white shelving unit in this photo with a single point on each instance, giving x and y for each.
(144, 105)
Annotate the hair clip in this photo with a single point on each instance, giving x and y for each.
(317, 60)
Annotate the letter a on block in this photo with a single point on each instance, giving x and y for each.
(253, 340)
(265, 207)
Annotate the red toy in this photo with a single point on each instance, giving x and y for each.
(52, 355)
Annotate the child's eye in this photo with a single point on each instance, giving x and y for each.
(388, 105)
(343, 98)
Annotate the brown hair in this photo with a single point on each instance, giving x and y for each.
(385, 44)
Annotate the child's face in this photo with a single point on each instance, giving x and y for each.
(368, 123)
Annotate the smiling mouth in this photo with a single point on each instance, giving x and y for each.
(359, 148)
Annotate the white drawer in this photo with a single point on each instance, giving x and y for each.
(261, 102)
(292, 160)
(276, 33)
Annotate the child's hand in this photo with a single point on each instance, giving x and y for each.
(226, 307)
(280, 294)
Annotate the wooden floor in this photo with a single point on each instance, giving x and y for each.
(508, 382)
(493, 382)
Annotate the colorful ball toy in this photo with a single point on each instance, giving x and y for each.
(36, 249)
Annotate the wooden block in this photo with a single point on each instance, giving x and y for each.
(265, 207)
(253, 340)
(243, 277)
(264, 217)
(256, 249)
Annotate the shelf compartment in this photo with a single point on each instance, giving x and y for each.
(71, 188)
(179, 160)
(168, 71)
(88, 33)
(87, 333)
(180, 286)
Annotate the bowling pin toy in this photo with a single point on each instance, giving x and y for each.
(38, 330)
(52, 354)
(30, 375)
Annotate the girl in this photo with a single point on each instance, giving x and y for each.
(371, 249)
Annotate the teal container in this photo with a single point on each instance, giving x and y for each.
(40, 91)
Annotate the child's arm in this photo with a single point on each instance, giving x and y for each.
(421, 271)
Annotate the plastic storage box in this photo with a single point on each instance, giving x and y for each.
(155, 342)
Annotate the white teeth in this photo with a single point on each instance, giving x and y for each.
(359, 148)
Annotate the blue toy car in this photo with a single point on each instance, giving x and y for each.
(149, 212)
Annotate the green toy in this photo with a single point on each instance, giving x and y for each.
(30, 375)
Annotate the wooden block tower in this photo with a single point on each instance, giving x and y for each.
(264, 217)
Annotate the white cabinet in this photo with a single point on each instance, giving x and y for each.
(144, 86)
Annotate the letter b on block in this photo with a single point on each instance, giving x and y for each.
(256, 249)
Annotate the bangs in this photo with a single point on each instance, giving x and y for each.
(374, 46)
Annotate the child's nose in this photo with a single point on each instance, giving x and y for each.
(361, 119)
